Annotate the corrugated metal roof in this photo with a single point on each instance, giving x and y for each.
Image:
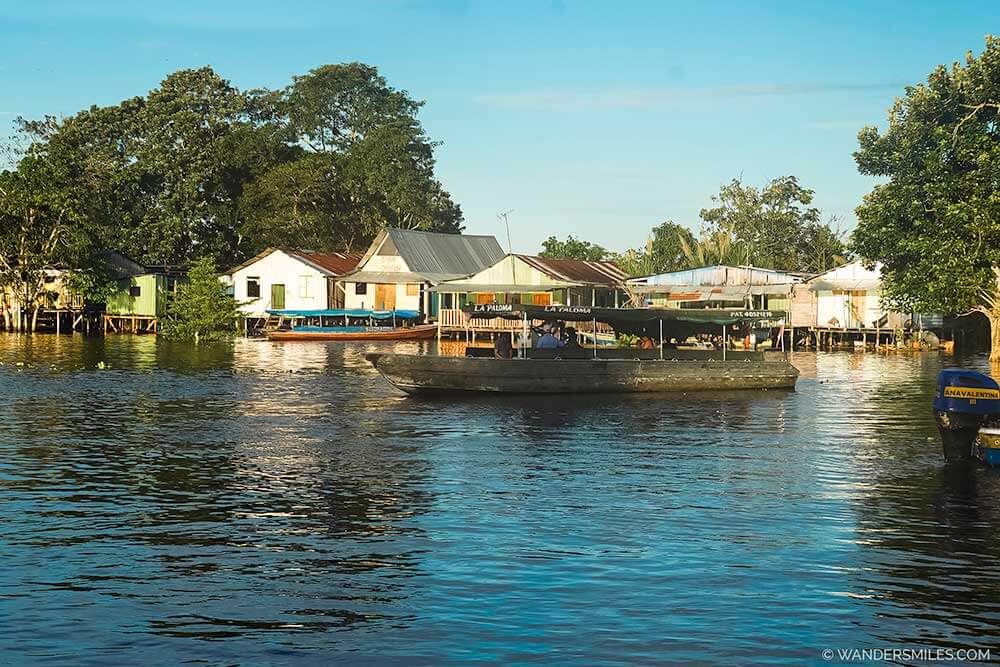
(465, 288)
(577, 271)
(724, 290)
(722, 274)
(824, 284)
(389, 278)
(335, 263)
(437, 255)
(120, 266)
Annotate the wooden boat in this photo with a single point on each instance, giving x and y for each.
(427, 374)
(573, 369)
(418, 332)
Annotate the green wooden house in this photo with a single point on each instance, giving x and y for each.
(141, 298)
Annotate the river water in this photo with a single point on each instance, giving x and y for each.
(269, 503)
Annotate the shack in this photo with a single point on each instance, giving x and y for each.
(719, 286)
(140, 297)
(531, 280)
(401, 265)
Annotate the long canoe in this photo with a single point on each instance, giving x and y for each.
(420, 332)
(427, 374)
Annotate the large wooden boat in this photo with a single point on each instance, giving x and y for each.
(418, 332)
(574, 369)
(427, 374)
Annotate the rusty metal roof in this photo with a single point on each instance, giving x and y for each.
(331, 263)
(337, 263)
(577, 270)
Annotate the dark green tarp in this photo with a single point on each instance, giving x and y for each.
(709, 318)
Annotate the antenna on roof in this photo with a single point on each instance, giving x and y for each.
(503, 216)
(510, 248)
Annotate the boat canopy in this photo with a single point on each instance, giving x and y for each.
(623, 317)
(351, 312)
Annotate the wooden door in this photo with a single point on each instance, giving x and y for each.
(277, 297)
(385, 297)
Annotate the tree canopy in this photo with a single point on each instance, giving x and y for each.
(201, 309)
(934, 224)
(572, 248)
(774, 226)
(198, 167)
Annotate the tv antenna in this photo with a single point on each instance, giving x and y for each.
(510, 247)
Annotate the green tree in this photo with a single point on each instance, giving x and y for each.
(572, 248)
(364, 146)
(711, 248)
(934, 224)
(198, 167)
(768, 224)
(202, 309)
(42, 227)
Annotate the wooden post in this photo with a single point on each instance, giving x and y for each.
(791, 339)
(661, 339)
(57, 322)
(594, 331)
(723, 342)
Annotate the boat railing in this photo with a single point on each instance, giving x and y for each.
(626, 353)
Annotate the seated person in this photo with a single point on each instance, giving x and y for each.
(502, 347)
(571, 338)
(548, 340)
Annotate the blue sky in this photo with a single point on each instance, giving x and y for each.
(599, 119)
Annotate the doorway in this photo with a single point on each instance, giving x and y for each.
(385, 297)
(277, 297)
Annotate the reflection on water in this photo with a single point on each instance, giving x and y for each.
(258, 502)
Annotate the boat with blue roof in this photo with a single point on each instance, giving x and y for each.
(350, 325)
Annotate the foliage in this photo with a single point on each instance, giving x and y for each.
(198, 167)
(572, 248)
(773, 227)
(934, 224)
(39, 229)
(201, 309)
(664, 251)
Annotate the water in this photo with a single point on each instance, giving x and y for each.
(268, 503)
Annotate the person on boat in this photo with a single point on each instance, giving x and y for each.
(646, 343)
(571, 339)
(548, 340)
(503, 348)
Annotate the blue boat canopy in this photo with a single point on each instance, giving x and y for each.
(351, 312)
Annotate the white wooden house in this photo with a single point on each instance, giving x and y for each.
(848, 297)
(278, 279)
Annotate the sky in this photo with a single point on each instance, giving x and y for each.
(597, 119)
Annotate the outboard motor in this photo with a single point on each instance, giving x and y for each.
(965, 401)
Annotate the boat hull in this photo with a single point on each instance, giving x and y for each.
(424, 374)
(421, 332)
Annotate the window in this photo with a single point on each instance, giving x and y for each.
(253, 288)
(135, 290)
(303, 287)
(447, 301)
(361, 288)
(412, 289)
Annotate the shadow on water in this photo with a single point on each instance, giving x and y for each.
(262, 502)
